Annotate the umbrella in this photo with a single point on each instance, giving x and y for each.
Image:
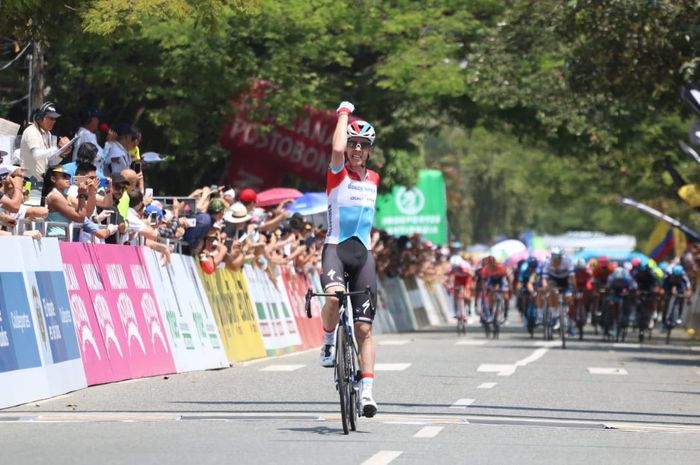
(509, 251)
(276, 195)
(612, 254)
(310, 203)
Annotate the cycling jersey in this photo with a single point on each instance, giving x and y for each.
(618, 286)
(601, 274)
(561, 271)
(495, 277)
(680, 282)
(351, 203)
(646, 280)
(583, 279)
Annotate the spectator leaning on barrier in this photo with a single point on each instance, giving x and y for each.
(36, 148)
(137, 227)
(12, 210)
(213, 251)
(62, 209)
(91, 230)
(88, 153)
(237, 236)
(204, 222)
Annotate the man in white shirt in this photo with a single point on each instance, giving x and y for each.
(117, 158)
(36, 150)
(89, 123)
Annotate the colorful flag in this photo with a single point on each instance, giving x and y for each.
(660, 241)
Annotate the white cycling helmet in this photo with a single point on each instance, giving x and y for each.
(362, 129)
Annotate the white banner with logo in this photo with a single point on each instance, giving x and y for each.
(275, 318)
(191, 328)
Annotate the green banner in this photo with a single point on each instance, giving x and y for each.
(420, 209)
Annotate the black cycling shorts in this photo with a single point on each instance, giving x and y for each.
(351, 257)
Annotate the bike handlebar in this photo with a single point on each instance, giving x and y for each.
(339, 294)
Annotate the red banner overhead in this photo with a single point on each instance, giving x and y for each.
(261, 159)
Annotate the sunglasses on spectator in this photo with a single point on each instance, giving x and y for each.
(362, 143)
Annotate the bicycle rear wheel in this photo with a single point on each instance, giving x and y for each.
(343, 375)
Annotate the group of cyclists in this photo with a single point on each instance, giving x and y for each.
(562, 294)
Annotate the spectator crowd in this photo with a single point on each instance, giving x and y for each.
(94, 188)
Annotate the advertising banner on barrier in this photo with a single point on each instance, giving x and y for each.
(130, 296)
(311, 329)
(99, 347)
(126, 309)
(39, 354)
(277, 326)
(416, 302)
(398, 304)
(383, 319)
(434, 316)
(233, 310)
(191, 327)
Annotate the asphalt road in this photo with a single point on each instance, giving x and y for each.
(443, 399)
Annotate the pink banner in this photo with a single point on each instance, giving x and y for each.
(120, 297)
(92, 330)
(311, 329)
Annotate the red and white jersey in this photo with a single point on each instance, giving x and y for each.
(351, 204)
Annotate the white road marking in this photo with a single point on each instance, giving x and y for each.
(383, 457)
(394, 342)
(495, 368)
(428, 432)
(282, 367)
(486, 385)
(391, 366)
(470, 343)
(462, 403)
(509, 369)
(623, 345)
(695, 348)
(606, 371)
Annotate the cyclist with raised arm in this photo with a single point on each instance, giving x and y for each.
(352, 193)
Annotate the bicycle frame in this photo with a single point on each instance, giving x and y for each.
(347, 382)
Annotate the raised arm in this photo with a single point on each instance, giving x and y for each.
(340, 136)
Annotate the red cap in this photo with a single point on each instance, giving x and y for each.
(247, 196)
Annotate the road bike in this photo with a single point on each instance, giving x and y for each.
(493, 316)
(346, 372)
(562, 310)
(673, 311)
(581, 313)
(529, 311)
(645, 309)
(460, 310)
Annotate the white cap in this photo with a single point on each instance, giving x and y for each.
(151, 157)
(230, 193)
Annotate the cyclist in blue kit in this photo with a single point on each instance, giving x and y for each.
(352, 193)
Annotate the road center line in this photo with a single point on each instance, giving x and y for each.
(383, 457)
(428, 432)
(606, 371)
(462, 403)
(486, 385)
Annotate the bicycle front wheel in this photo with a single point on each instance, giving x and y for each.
(343, 376)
